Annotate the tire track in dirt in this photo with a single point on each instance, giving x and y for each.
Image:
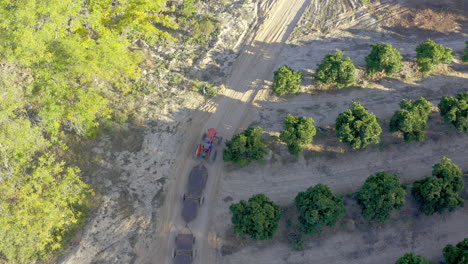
(233, 111)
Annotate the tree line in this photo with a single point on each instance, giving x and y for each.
(355, 127)
(341, 72)
(381, 193)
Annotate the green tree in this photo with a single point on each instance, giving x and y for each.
(411, 120)
(245, 147)
(383, 57)
(299, 132)
(357, 127)
(457, 254)
(39, 208)
(317, 207)
(189, 8)
(430, 54)
(335, 70)
(465, 56)
(411, 259)
(455, 110)
(440, 193)
(286, 80)
(380, 194)
(257, 218)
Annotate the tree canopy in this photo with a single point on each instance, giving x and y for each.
(457, 254)
(465, 55)
(286, 80)
(380, 194)
(383, 57)
(335, 70)
(412, 119)
(455, 110)
(440, 193)
(430, 54)
(317, 207)
(357, 127)
(299, 132)
(245, 147)
(411, 259)
(63, 62)
(257, 218)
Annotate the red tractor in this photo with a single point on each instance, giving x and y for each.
(206, 150)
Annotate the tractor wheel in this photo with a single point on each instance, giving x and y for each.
(203, 136)
(213, 155)
(220, 139)
(195, 156)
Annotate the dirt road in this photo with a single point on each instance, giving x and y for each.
(228, 113)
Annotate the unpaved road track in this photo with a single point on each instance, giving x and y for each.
(228, 113)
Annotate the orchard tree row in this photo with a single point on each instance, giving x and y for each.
(457, 254)
(356, 127)
(339, 71)
(380, 194)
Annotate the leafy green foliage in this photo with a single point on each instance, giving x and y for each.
(412, 119)
(411, 259)
(38, 209)
(286, 80)
(380, 194)
(257, 218)
(430, 54)
(383, 57)
(440, 193)
(317, 207)
(189, 8)
(299, 132)
(335, 70)
(457, 254)
(69, 60)
(465, 56)
(357, 127)
(204, 28)
(245, 147)
(455, 110)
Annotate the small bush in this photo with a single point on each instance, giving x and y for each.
(203, 29)
(317, 207)
(440, 193)
(257, 218)
(465, 56)
(245, 147)
(357, 127)
(335, 70)
(455, 110)
(430, 54)
(383, 57)
(380, 194)
(457, 254)
(299, 132)
(411, 259)
(412, 119)
(286, 80)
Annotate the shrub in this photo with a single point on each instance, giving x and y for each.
(299, 132)
(257, 218)
(357, 127)
(412, 119)
(380, 194)
(335, 70)
(286, 80)
(430, 54)
(440, 193)
(245, 147)
(383, 57)
(457, 254)
(411, 259)
(465, 56)
(455, 110)
(318, 206)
